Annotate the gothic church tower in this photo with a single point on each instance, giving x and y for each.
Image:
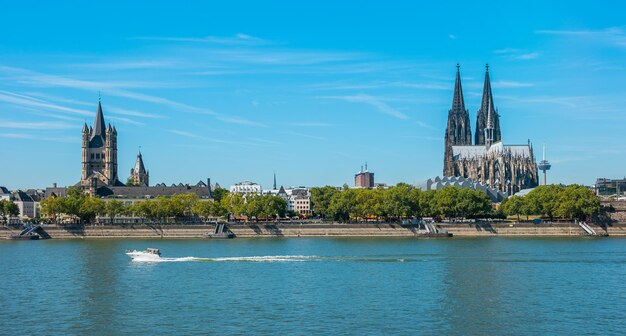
(458, 131)
(485, 106)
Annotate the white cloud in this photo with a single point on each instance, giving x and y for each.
(370, 100)
(47, 125)
(240, 121)
(510, 84)
(452, 36)
(120, 111)
(238, 39)
(615, 36)
(527, 56)
(310, 124)
(517, 54)
(26, 101)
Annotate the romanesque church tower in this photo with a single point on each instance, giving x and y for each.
(99, 153)
(485, 106)
(458, 131)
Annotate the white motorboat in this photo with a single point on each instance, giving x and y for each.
(150, 254)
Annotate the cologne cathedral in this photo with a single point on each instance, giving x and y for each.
(508, 168)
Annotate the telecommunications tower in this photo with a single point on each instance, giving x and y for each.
(544, 165)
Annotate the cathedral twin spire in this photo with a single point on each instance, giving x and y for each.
(458, 130)
(458, 117)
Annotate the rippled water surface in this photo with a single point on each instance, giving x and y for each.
(481, 286)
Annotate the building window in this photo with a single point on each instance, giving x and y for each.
(97, 156)
(102, 156)
(92, 156)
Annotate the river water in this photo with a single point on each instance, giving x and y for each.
(477, 286)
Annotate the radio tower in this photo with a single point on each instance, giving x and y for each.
(544, 165)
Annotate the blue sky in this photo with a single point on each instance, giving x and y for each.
(239, 90)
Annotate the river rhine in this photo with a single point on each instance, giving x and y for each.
(476, 286)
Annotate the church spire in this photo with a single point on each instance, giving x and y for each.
(139, 167)
(485, 106)
(458, 104)
(489, 134)
(458, 130)
(274, 181)
(99, 127)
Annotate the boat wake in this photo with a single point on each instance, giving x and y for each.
(279, 259)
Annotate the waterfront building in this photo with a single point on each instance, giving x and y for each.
(437, 183)
(508, 168)
(364, 178)
(246, 187)
(610, 187)
(27, 206)
(298, 198)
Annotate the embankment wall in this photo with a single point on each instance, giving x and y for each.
(316, 230)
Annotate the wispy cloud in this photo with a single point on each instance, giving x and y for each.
(190, 135)
(309, 124)
(240, 121)
(615, 36)
(526, 56)
(506, 51)
(237, 39)
(26, 101)
(15, 135)
(425, 125)
(48, 125)
(510, 84)
(127, 120)
(125, 112)
(517, 54)
(372, 101)
(382, 84)
(452, 36)
(303, 135)
(131, 65)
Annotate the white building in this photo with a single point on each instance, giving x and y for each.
(246, 187)
(28, 207)
(298, 199)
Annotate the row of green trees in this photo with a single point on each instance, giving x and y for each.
(395, 203)
(86, 208)
(401, 201)
(8, 209)
(571, 202)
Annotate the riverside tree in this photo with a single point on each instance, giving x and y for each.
(8, 209)
(571, 202)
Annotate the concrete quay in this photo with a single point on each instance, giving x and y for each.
(171, 231)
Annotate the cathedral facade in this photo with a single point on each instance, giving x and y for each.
(508, 168)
